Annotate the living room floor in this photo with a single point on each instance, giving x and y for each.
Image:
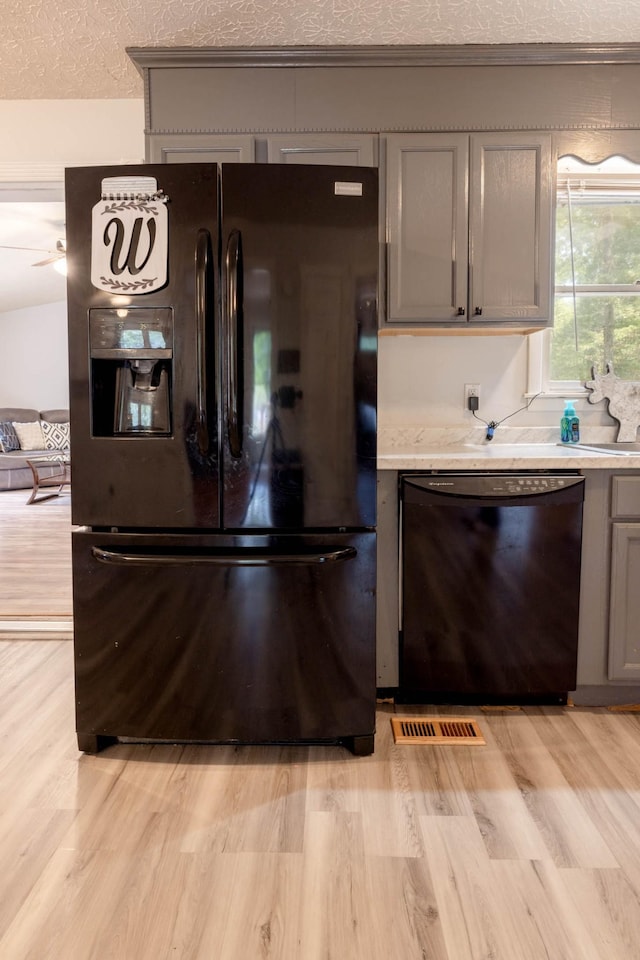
(525, 848)
(35, 563)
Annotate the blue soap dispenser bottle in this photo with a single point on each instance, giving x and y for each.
(569, 424)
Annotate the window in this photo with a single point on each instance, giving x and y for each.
(597, 273)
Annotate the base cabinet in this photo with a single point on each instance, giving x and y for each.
(624, 610)
(609, 636)
(624, 621)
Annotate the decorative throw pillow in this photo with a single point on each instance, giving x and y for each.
(56, 435)
(8, 437)
(29, 435)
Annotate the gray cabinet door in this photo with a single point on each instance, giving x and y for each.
(510, 227)
(427, 182)
(344, 149)
(624, 623)
(469, 228)
(338, 149)
(201, 148)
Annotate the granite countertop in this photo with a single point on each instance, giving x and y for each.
(417, 448)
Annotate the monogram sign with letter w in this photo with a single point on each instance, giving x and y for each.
(129, 244)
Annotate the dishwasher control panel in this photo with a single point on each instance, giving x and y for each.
(494, 486)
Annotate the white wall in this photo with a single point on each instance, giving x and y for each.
(34, 369)
(38, 138)
(421, 383)
(421, 378)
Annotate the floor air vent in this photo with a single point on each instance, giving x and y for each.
(436, 730)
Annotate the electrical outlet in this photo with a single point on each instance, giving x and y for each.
(471, 390)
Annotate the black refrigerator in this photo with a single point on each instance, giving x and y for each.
(222, 354)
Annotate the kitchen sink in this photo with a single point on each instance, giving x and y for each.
(511, 449)
(621, 449)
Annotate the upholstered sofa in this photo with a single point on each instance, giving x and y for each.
(52, 439)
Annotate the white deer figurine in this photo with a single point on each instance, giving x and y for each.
(623, 397)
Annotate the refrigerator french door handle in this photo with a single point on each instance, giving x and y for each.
(202, 268)
(233, 266)
(240, 559)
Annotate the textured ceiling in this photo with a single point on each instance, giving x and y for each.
(76, 48)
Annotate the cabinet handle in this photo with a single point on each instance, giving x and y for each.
(461, 311)
(478, 312)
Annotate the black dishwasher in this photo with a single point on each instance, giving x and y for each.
(490, 586)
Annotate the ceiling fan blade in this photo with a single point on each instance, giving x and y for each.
(33, 249)
(43, 263)
(59, 255)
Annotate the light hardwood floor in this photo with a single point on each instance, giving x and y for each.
(524, 849)
(527, 848)
(35, 564)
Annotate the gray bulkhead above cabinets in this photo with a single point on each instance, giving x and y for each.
(371, 89)
(485, 122)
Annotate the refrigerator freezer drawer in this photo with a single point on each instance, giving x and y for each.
(225, 639)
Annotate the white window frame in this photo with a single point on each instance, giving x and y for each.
(594, 148)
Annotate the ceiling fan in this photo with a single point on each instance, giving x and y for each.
(59, 253)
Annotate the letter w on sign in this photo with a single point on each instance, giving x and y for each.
(129, 245)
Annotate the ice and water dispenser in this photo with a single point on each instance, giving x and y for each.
(131, 352)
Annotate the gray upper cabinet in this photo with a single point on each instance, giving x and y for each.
(469, 228)
(348, 150)
(427, 223)
(201, 148)
(510, 216)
